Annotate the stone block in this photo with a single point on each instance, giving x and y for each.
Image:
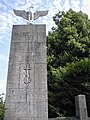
(81, 108)
(27, 61)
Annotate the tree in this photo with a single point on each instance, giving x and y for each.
(1, 109)
(70, 40)
(68, 44)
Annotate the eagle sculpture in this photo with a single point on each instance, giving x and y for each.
(30, 15)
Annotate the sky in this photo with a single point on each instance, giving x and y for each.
(8, 19)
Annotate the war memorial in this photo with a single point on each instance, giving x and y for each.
(26, 96)
(26, 93)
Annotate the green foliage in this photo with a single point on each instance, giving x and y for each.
(70, 81)
(68, 61)
(74, 79)
(70, 40)
(1, 109)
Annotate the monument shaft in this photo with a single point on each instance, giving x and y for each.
(26, 95)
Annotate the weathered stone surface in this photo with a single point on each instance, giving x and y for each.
(27, 102)
(81, 108)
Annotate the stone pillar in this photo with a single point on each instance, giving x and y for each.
(81, 108)
(26, 94)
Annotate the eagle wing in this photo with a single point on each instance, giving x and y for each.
(38, 14)
(21, 13)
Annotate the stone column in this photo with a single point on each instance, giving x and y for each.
(26, 95)
(81, 108)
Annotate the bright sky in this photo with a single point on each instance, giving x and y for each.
(7, 19)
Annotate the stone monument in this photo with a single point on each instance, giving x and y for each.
(81, 107)
(26, 93)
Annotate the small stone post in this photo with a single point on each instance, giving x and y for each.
(81, 108)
